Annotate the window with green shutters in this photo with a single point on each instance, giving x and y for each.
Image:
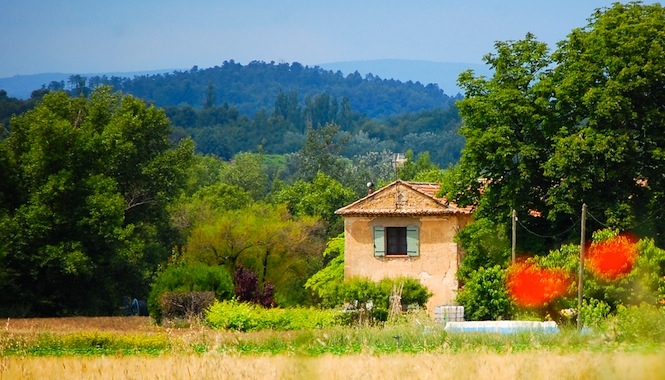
(396, 241)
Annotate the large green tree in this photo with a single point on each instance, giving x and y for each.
(85, 186)
(319, 198)
(549, 132)
(282, 250)
(506, 143)
(246, 170)
(322, 153)
(608, 151)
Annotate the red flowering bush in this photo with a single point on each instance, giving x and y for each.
(612, 258)
(531, 286)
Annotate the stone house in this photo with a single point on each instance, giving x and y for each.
(404, 229)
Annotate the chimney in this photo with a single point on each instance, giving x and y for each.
(370, 188)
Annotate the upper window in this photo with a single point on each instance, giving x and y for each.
(396, 241)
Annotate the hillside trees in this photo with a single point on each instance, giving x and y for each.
(319, 198)
(237, 84)
(434, 131)
(268, 107)
(11, 106)
(82, 219)
(222, 131)
(414, 167)
(547, 133)
(321, 152)
(246, 171)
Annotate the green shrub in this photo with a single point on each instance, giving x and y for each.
(413, 292)
(369, 301)
(484, 295)
(639, 324)
(594, 312)
(329, 285)
(189, 278)
(185, 305)
(326, 282)
(485, 244)
(234, 315)
(360, 291)
(645, 283)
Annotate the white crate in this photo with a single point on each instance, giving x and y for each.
(449, 313)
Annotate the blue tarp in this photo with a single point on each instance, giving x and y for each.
(503, 327)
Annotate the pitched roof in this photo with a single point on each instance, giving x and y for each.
(404, 198)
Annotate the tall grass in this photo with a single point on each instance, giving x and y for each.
(339, 340)
(92, 343)
(534, 365)
(633, 329)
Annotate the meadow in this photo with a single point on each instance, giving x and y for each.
(135, 348)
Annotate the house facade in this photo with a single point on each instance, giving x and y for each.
(405, 230)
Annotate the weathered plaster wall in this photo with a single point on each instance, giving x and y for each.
(435, 267)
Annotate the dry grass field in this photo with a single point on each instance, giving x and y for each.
(77, 324)
(216, 365)
(363, 366)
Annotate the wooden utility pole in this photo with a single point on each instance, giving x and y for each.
(514, 236)
(580, 284)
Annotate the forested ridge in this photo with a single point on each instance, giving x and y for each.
(268, 107)
(255, 86)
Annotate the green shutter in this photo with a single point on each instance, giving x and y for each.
(379, 242)
(412, 243)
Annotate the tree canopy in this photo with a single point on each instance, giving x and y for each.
(83, 200)
(549, 132)
(282, 250)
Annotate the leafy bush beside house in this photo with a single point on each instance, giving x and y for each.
(186, 279)
(329, 285)
(484, 295)
(485, 245)
(325, 282)
(644, 283)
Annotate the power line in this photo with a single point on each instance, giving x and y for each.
(585, 212)
(597, 221)
(547, 236)
(653, 216)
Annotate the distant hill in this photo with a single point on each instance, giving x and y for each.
(21, 86)
(256, 86)
(233, 107)
(444, 74)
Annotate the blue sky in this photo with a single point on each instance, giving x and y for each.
(94, 36)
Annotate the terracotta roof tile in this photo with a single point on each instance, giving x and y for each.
(430, 190)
